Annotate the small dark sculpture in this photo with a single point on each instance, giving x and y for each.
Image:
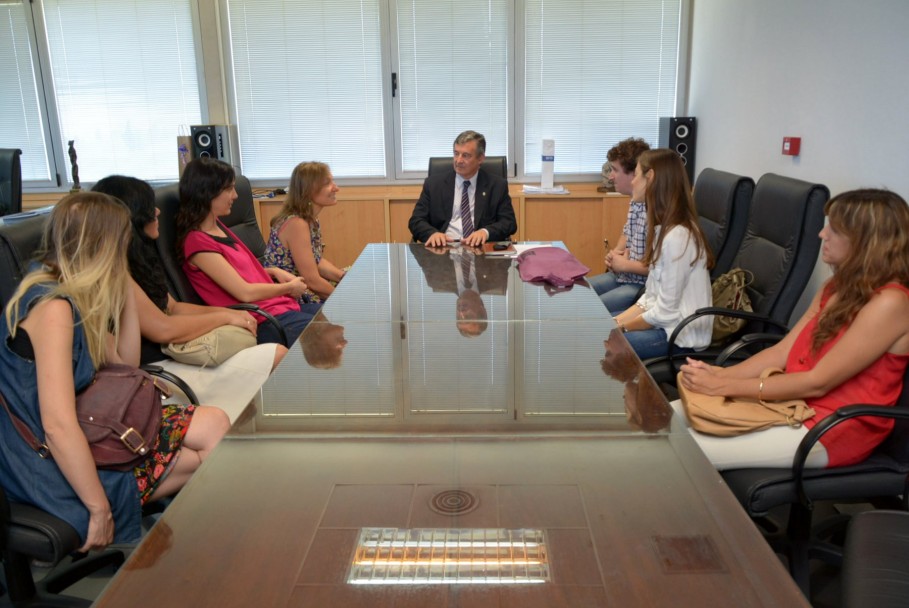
(77, 186)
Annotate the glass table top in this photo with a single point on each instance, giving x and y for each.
(447, 340)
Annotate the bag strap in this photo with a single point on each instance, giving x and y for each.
(794, 410)
(26, 433)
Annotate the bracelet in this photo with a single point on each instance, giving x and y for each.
(761, 391)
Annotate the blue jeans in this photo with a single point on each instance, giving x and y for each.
(617, 297)
(293, 322)
(650, 343)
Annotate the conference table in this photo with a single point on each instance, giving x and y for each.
(445, 434)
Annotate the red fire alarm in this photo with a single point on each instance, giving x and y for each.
(791, 146)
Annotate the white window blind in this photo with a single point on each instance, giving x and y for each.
(20, 114)
(308, 85)
(125, 79)
(597, 72)
(453, 76)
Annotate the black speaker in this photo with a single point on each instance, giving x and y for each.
(215, 141)
(679, 133)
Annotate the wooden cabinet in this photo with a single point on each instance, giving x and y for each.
(379, 214)
(376, 214)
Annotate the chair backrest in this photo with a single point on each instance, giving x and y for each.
(10, 181)
(242, 219)
(20, 242)
(722, 200)
(167, 200)
(781, 243)
(494, 165)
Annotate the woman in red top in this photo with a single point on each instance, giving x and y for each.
(223, 270)
(850, 346)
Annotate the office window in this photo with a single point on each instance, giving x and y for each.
(20, 110)
(125, 81)
(596, 73)
(453, 75)
(313, 79)
(307, 84)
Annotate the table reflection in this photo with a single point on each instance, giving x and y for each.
(397, 348)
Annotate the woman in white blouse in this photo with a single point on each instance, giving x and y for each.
(679, 260)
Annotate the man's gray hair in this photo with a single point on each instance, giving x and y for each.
(469, 136)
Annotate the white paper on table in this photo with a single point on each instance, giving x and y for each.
(522, 247)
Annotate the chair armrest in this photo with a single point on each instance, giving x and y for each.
(821, 428)
(714, 311)
(174, 379)
(268, 317)
(743, 342)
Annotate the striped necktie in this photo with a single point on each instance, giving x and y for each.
(466, 219)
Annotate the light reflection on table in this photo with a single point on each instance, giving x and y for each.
(396, 357)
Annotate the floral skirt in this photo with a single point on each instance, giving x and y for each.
(175, 419)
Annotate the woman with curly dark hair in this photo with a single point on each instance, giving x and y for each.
(850, 346)
(220, 267)
(162, 320)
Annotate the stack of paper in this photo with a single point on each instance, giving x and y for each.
(528, 189)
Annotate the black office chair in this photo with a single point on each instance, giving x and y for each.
(10, 181)
(494, 165)
(20, 240)
(242, 219)
(167, 200)
(876, 561)
(882, 477)
(722, 201)
(779, 250)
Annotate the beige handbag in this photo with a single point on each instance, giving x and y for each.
(213, 348)
(730, 292)
(730, 416)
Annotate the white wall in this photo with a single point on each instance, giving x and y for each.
(833, 72)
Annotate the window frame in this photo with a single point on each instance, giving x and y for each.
(56, 151)
(218, 105)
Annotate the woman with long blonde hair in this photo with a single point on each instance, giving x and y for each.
(850, 346)
(74, 315)
(295, 242)
(678, 256)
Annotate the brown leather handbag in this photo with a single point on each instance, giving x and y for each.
(120, 414)
(730, 416)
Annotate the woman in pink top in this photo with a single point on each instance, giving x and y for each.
(850, 346)
(220, 267)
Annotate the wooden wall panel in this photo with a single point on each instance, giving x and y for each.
(581, 223)
(378, 214)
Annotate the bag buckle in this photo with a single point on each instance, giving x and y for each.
(43, 451)
(134, 441)
(163, 387)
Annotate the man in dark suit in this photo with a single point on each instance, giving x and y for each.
(466, 204)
